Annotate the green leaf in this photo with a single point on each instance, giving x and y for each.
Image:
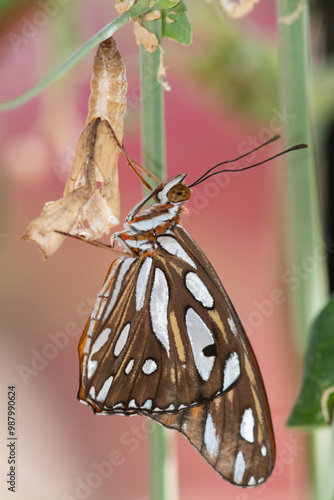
(176, 25)
(167, 4)
(315, 404)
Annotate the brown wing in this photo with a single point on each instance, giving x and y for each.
(233, 432)
(161, 336)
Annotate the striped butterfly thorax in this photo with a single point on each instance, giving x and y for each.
(165, 341)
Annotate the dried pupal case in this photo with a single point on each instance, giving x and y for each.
(88, 209)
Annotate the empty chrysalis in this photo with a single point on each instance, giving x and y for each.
(88, 209)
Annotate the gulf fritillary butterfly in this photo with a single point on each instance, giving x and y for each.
(164, 341)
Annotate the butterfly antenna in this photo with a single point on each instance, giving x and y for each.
(205, 176)
(272, 139)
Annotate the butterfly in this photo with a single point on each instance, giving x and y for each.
(165, 341)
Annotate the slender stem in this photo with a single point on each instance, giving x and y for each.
(162, 459)
(141, 7)
(306, 231)
(152, 108)
(304, 214)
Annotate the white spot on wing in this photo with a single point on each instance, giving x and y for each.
(91, 327)
(159, 307)
(122, 339)
(232, 326)
(129, 366)
(200, 337)
(87, 345)
(263, 450)
(101, 397)
(91, 367)
(173, 247)
(247, 425)
(149, 367)
(147, 405)
(231, 370)
(92, 392)
(97, 311)
(100, 311)
(211, 439)
(132, 404)
(119, 405)
(100, 341)
(239, 468)
(102, 292)
(198, 289)
(142, 280)
(126, 264)
(252, 481)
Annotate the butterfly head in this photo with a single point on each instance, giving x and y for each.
(174, 191)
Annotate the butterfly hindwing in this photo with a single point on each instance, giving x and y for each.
(233, 431)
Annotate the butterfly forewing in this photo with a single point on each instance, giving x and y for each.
(169, 344)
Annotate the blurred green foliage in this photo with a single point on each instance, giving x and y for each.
(8, 7)
(242, 75)
(240, 67)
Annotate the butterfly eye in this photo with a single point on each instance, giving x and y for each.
(178, 193)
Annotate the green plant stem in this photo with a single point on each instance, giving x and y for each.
(162, 465)
(152, 108)
(304, 213)
(306, 229)
(141, 7)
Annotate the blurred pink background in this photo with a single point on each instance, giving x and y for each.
(240, 225)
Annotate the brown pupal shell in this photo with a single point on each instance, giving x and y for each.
(106, 110)
(108, 87)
